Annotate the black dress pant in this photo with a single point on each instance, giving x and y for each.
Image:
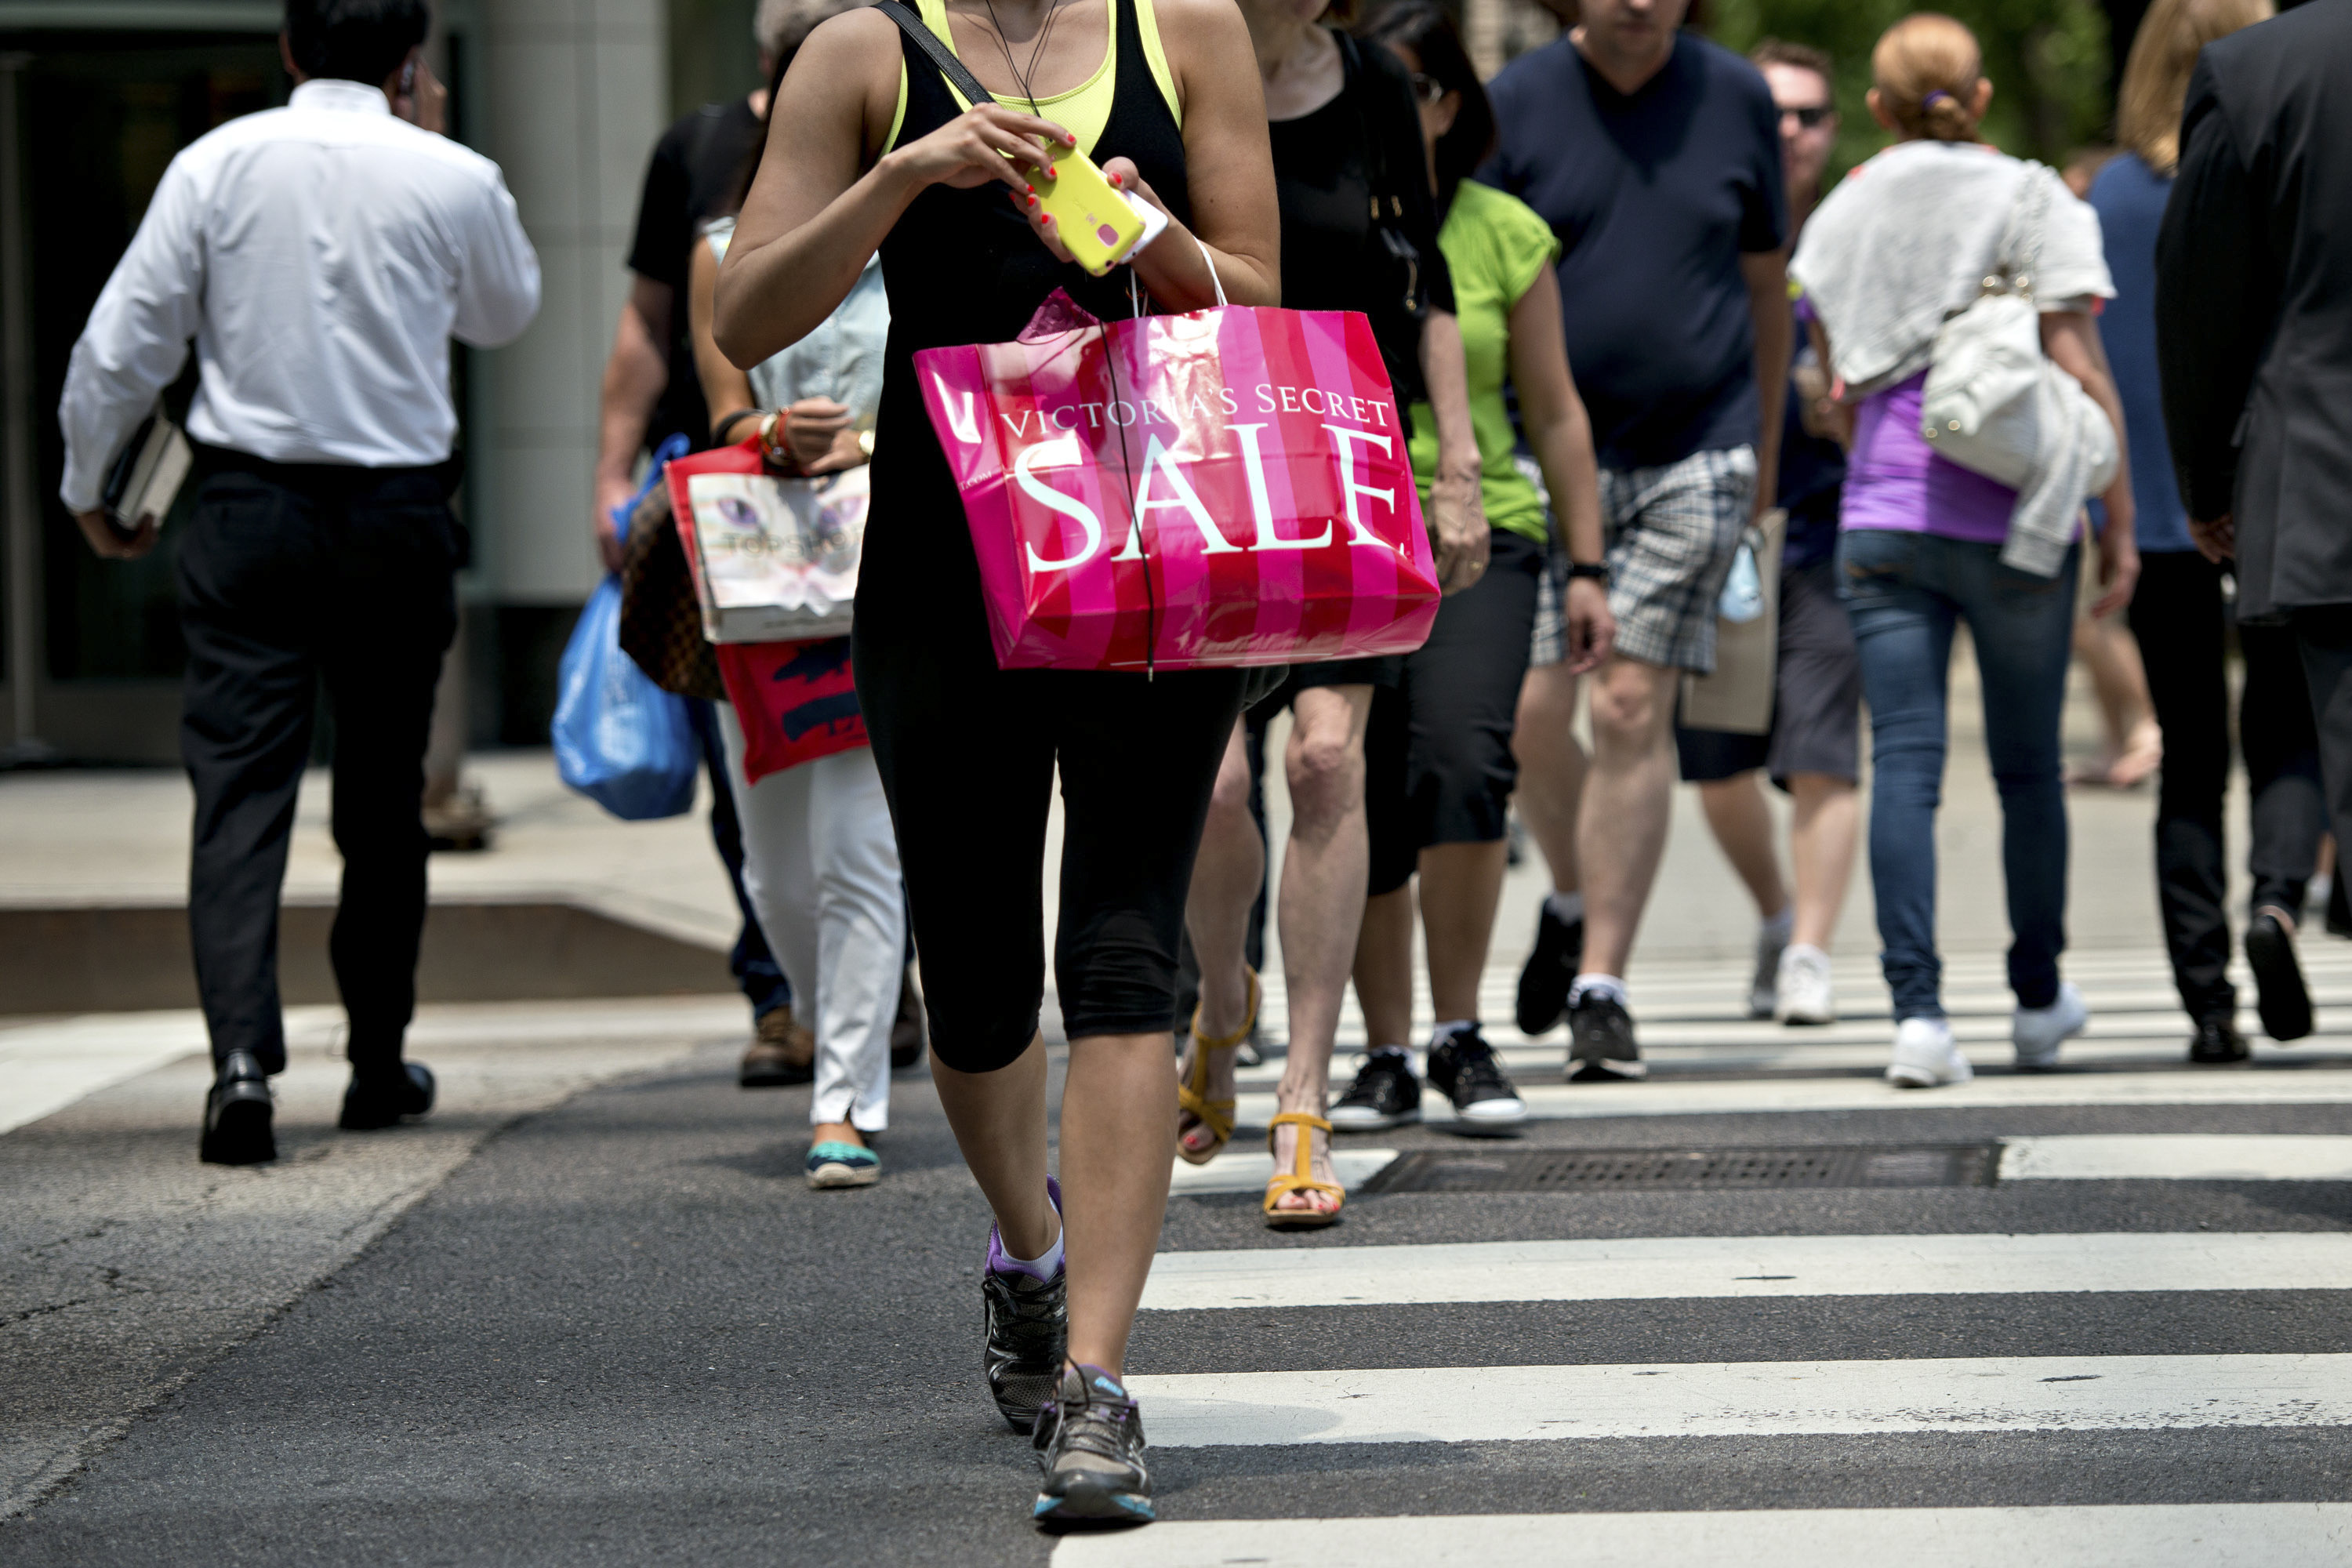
(2323, 636)
(2181, 623)
(291, 575)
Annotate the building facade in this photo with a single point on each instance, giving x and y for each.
(96, 96)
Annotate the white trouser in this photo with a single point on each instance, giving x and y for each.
(821, 865)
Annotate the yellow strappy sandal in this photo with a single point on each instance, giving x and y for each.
(1296, 1179)
(1193, 1094)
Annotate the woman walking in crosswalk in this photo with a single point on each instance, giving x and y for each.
(820, 862)
(1909, 239)
(1439, 763)
(870, 150)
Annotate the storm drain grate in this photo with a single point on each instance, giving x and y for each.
(1652, 1170)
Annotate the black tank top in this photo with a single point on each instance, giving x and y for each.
(963, 266)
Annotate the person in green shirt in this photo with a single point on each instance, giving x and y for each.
(1440, 767)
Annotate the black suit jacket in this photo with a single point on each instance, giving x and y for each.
(2254, 304)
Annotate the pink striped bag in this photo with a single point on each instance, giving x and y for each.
(1229, 487)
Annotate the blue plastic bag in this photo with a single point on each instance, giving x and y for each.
(620, 739)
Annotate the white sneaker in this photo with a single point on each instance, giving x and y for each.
(1803, 995)
(1772, 942)
(2038, 1032)
(1926, 1056)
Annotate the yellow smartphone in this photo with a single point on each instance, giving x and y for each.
(1097, 224)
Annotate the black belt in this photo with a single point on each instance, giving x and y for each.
(325, 478)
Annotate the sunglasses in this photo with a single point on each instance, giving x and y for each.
(1428, 89)
(1811, 115)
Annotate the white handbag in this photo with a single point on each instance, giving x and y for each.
(1995, 403)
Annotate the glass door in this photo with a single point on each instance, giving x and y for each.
(96, 119)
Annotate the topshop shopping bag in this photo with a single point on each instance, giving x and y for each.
(1229, 487)
(619, 739)
(774, 558)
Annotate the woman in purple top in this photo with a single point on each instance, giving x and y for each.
(1906, 239)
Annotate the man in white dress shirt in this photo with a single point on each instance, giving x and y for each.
(321, 256)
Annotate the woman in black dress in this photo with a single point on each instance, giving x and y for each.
(867, 149)
(1347, 141)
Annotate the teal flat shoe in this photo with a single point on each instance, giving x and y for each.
(837, 1164)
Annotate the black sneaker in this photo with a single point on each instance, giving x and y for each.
(2217, 1042)
(1090, 1443)
(1600, 1048)
(2279, 995)
(1463, 1065)
(237, 1110)
(1025, 1329)
(1550, 971)
(1385, 1094)
(381, 1096)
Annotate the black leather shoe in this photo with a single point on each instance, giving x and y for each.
(381, 1097)
(2279, 995)
(2217, 1042)
(237, 1115)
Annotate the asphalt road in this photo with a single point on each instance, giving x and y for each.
(621, 1331)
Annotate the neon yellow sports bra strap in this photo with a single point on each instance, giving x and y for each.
(1084, 109)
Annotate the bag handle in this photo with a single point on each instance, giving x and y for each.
(1211, 262)
(958, 76)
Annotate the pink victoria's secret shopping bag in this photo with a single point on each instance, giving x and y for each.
(1229, 487)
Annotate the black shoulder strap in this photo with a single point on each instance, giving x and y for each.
(962, 80)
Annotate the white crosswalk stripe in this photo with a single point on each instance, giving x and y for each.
(2210, 1535)
(1538, 1404)
(1700, 1007)
(1563, 1102)
(2179, 1157)
(1688, 1267)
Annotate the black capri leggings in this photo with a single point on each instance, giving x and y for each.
(1438, 767)
(967, 754)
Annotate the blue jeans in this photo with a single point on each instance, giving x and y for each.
(1906, 593)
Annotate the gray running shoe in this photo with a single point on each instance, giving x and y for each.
(1090, 1443)
(1026, 1332)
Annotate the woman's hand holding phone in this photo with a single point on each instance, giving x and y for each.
(992, 141)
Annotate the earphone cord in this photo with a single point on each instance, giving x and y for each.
(1053, 14)
(1135, 513)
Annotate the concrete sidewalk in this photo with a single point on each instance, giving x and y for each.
(119, 838)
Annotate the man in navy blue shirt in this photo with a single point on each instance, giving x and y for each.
(1655, 157)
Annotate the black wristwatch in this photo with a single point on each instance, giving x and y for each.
(1596, 570)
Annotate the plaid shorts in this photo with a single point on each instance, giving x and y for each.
(1670, 534)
